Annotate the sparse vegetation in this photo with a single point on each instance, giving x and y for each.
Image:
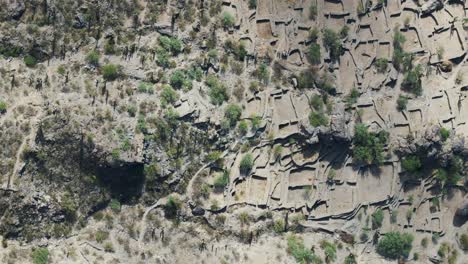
(313, 11)
(92, 58)
(302, 254)
(228, 20)
(381, 64)
(402, 102)
(377, 219)
(217, 90)
(314, 53)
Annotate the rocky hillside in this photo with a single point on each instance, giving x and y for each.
(244, 131)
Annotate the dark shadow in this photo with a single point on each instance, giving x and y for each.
(125, 182)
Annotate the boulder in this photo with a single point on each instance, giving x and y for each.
(198, 211)
(431, 6)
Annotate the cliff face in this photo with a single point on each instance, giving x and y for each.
(139, 131)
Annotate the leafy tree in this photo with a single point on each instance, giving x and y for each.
(217, 90)
(172, 45)
(352, 97)
(412, 164)
(317, 119)
(313, 11)
(394, 245)
(444, 133)
(110, 72)
(40, 256)
(221, 182)
(3, 107)
(381, 64)
(314, 53)
(233, 113)
(377, 218)
(179, 79)
(464, 242)
(332, 43)
(228, 20)
(317, 102)
(402, 102)
(92, 58)
(246, 164)
(168, 95)
(368, 146)
(412, 80)
(263, 73)
(252, 4)
(243, 127)
(30, 61)
(172, 207)
(350, 259)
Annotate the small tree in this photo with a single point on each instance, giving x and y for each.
(332, 42)
(317, 119)
(228, 20)
(444, 133)
(221, 182)
(110, 72)
(412, 164)
(3, 107)
(313, 11)
(314, 53)
(30, 61)
(172, 207)
(92, 58)
(394, 245)
(402, 102)
(377, 219)
(168, 95)
(246, 164)
(233, 113)
(381, 64)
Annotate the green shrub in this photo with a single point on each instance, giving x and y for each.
(332, 43)
(179, 80)
(329, 250)
(317, 119)
(352, 97)
(464, 242)
(233, 113)
(368, 147)
(100, 236)
(217, 90)
(110, 72)
(444, 133)
(302, 254)
(262, 73)
(306, 79)
(402, 102)
(394, 245)
(246, 164)
(108, 247)
(377, 219)
(221, 182)
(168, 95)
(412, 164)
(172, 45)
(278, 226)
(381, 64)
(252, 4)
(228, 20)
(314, 53)
(144, 87)
(344, 31)
(40, 256)
(313, 11)
(61, 70)
(3, 107)
(243, 127)
(172, 207)
(313, 34)
(350, 259)
(412, 80)
(92, 58)
(115, 205)
(30, 61)
(317, 102)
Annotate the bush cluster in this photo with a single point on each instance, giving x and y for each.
(394, 245)
(368, 146)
